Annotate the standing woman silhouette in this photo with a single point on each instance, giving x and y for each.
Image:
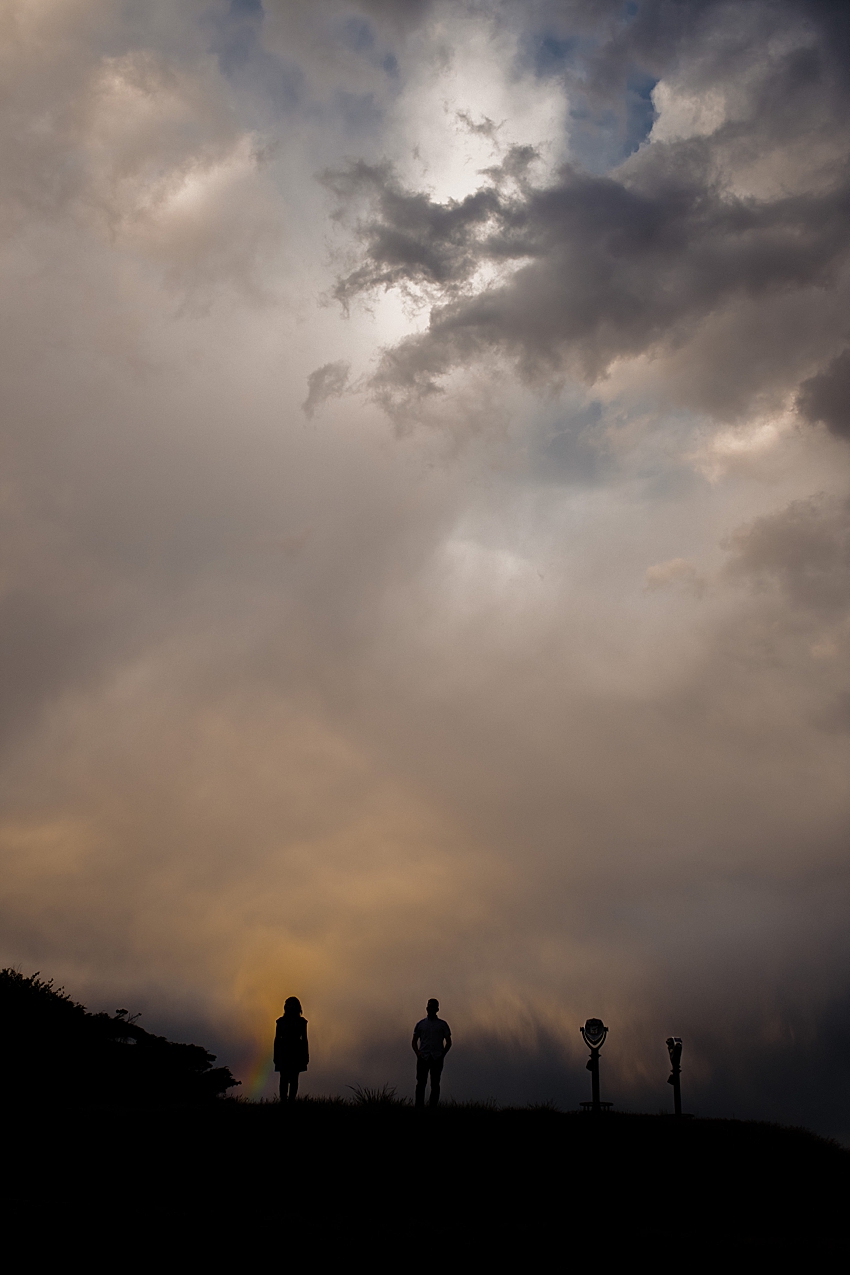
(291, 1054)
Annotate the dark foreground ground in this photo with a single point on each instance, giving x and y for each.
(234, 1184)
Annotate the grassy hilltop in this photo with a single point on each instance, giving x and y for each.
(184, 1177)
(219, 1182)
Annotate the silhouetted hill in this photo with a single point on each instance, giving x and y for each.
(57, 1052)
(236, 1182)
(110, 1154)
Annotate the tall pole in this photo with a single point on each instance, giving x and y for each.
(593, 1068)
(674, 1049)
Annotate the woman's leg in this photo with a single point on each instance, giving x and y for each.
(288, 1086)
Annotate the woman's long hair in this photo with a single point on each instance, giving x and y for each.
(292, 1007)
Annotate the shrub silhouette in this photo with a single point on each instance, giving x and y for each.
(58, 1051)
(386, 1096)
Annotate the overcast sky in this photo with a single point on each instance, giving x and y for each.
(426, 534)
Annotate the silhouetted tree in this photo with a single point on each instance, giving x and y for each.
(57, 1050)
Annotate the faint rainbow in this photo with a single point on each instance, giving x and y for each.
(259, 1072)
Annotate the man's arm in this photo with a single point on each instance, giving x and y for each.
(447, 1041)
(415, 1044)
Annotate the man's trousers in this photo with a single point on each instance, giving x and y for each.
(426, 1067)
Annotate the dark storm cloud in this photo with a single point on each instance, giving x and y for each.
(410, 240)
(617, 266)
(825, 397)
(804, 549)
(326, 382)
(484, 128)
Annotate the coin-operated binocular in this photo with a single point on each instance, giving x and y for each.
(674, 1049)
(594, 1033)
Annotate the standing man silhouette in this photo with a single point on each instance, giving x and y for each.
(291, 1053)
(432, 1040)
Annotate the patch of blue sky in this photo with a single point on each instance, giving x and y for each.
(578, 443)
(601, 136)
(357, 34)
(359, 112)
(566, 447)
(236, 40)
(640, 111)
(600, 139)
(552, 55)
